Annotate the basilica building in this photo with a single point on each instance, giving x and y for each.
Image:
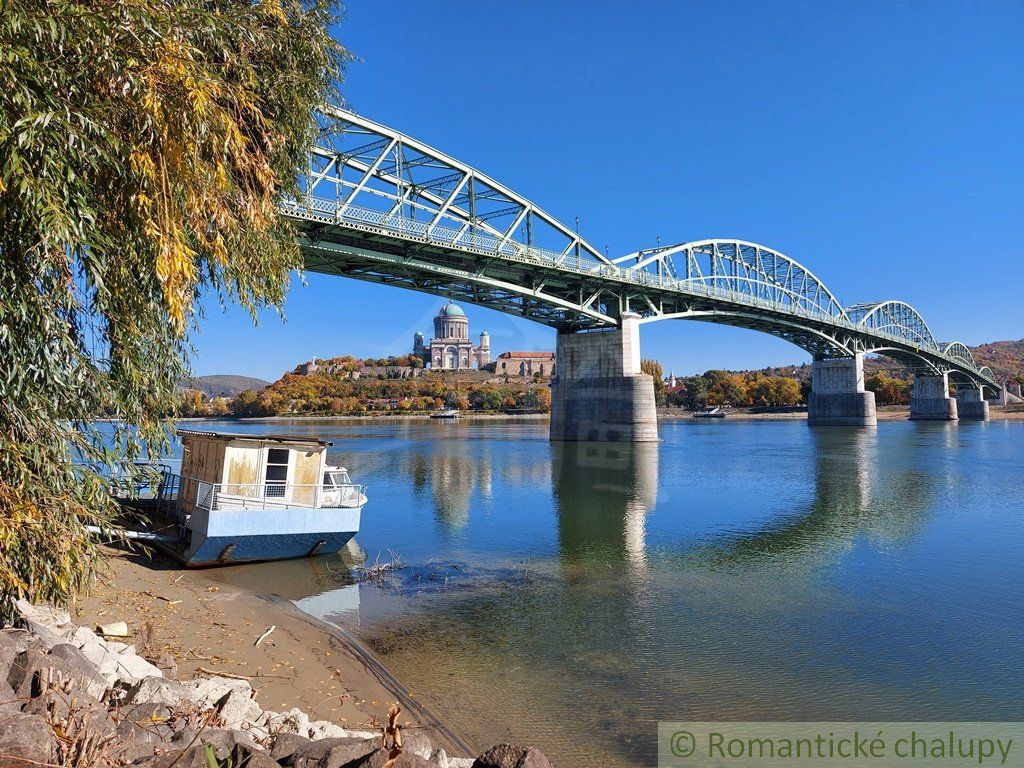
(451, 349)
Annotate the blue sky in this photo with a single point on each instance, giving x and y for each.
(877, 143)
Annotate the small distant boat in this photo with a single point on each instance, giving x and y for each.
(246, 498)
(709, 413)
(445, 415)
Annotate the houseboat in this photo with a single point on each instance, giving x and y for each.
(244, 498)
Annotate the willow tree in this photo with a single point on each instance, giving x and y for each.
(143, 148)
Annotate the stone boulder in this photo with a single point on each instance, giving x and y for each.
(287, 744)
(333, 753)
(26, 741)
(416, 742)
(158, 690)
(379, 758)
(10, 704)
(142, 731)
(67, 663)
(324, 729)
(512, 756)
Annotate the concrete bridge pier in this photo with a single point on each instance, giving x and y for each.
(971, 404)
(598, 392)
(838, 396)
(930, 399)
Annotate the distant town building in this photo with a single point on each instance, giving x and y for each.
(670, 382)
(525, 363)
(451, 349)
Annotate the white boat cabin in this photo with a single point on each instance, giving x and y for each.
(221, 470)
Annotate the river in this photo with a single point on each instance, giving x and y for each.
(570, 596)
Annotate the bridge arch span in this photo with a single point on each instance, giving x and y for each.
(958, 350)
(742, 267)
(367, 172)
(894, 318)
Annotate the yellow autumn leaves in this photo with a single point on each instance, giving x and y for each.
(204, 169)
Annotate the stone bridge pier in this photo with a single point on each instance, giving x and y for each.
(598, 392)
(838, 396)
(971, 403)
(930, 399)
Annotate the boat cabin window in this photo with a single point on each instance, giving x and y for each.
(277, 471)
(337, 478)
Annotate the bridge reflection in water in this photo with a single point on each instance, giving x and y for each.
(603, 493)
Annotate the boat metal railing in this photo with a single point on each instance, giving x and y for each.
(217, 496)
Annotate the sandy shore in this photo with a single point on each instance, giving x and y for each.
(211, 627)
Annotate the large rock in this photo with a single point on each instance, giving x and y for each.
(417, 743)
(10, 704)
(225, 742)
(15, 638)
(66, 663)
(142, 731)
(210, 690)
(324, 729)
(293, 721)
(379, 758)
(158, 690)
(9, 648)
(26, 741)
(512, 756)
(191, 757)
(49, 625)
(46, 616)
(439, 759)
(332, 753)
(237, 708)
(287, 744)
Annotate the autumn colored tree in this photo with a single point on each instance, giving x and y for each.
(192, 403)
(144, 147)
(653, 368)
(889, 390)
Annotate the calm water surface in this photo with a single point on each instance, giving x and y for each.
(570, 596)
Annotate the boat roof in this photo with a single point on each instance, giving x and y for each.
(297, 439)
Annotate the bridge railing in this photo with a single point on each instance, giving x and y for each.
(331, 212)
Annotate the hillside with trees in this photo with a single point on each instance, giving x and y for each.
(222, 386)
(345, 385)
(1005, 358)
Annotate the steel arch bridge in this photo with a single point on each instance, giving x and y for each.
(380, 206)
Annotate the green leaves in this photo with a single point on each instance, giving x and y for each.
(143, 148)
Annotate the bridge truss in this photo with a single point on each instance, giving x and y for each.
(383, 207)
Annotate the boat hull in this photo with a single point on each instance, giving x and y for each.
(229, 550)
(225, 536)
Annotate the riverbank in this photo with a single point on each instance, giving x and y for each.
(374, 417)
(70, 696)
(885, 413)
(209, 627)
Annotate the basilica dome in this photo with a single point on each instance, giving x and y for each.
(451, 309)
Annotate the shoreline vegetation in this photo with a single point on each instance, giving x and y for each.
(885, 413)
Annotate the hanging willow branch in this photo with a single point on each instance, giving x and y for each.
(143, 148)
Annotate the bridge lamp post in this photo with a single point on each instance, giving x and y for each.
(579, 258)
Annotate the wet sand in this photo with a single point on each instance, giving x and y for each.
(211, 627)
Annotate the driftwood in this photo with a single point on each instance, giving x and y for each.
(264, 636)
(236, 676)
